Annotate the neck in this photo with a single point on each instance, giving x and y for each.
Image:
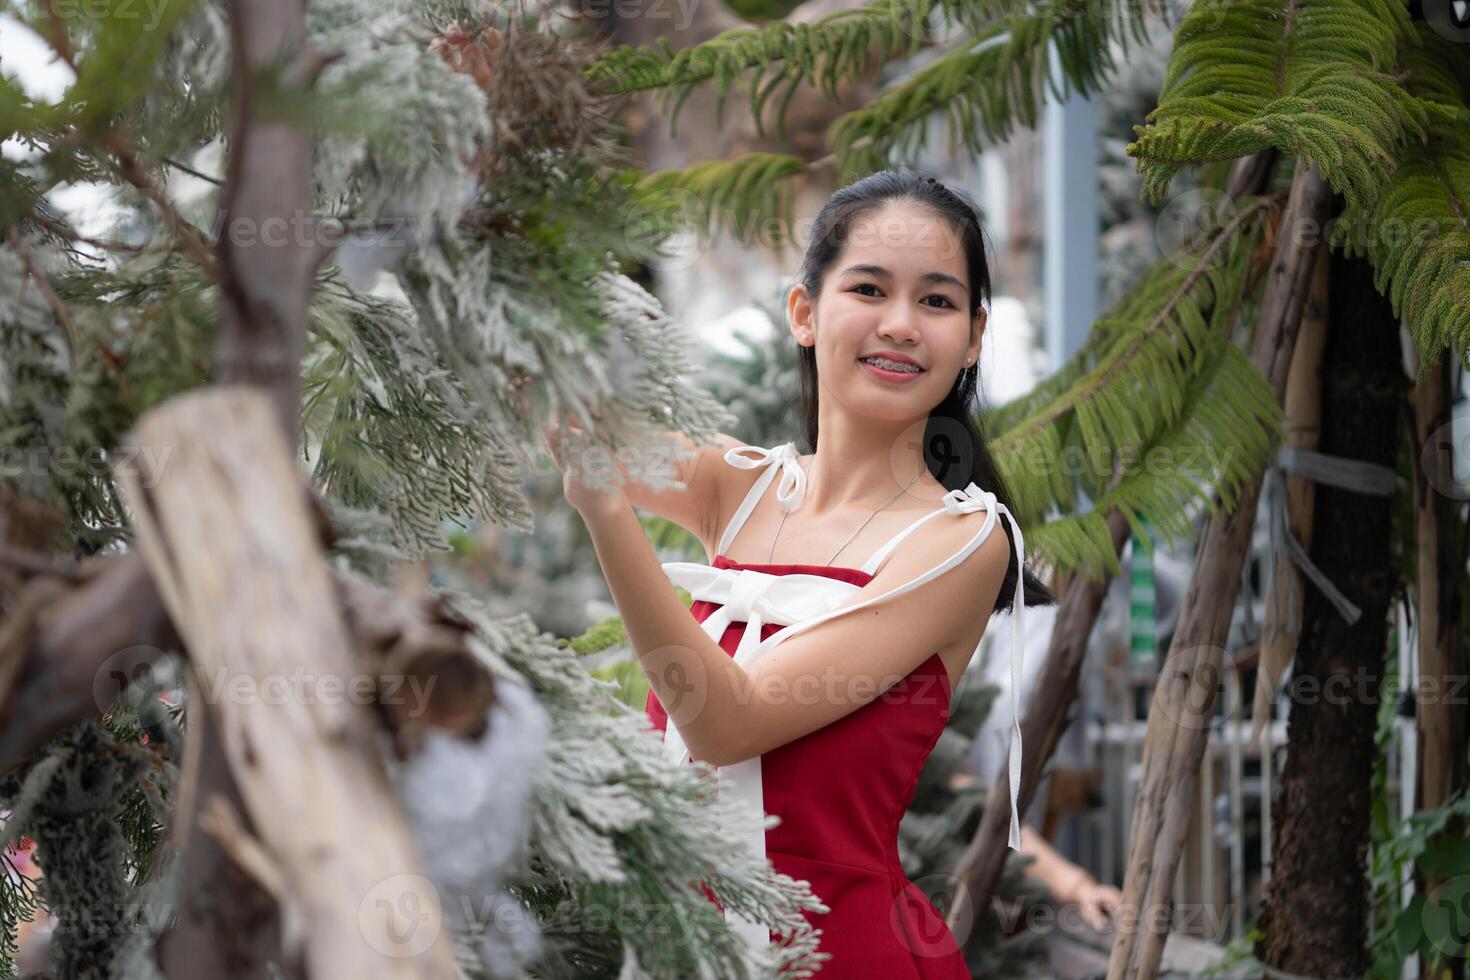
(860, 463)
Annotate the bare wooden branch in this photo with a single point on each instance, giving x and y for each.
(185, 168)
(227, 537)
(266, 267)
(26, 522)
(31, 563)
(427, 675)
(1282, 620)
(1045, 718)
(1179, 717)
(38, 276)
(238, 938)
(1443, 721)
(62, 231)
(107, 627)
(70, 649)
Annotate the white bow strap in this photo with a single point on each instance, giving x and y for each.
(965, 501)
(793, 478)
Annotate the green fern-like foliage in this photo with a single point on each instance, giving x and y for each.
(1417, 231)
(1315, 81)
(834, 47)
(993, 81)
(749, 197)
(987, 85)
(1159, 411)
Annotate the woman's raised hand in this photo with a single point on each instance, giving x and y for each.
(580, 495)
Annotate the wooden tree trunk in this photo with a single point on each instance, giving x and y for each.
(1281, 623)
(227, 535)
(1315, 918)
(1179, 716)
(1045, 719)
(1443, 716)
(1444, 723)
(265, 288)
(267, 259)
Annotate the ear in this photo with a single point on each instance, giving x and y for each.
(977, 334)
(801, 316)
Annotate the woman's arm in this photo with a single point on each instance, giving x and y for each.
(1068, 882)
(727, 714)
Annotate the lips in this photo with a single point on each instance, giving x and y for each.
(870, 358)
(890, 376)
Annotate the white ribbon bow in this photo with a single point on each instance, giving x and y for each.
(798, 602)
(791, 489)
(754, 598)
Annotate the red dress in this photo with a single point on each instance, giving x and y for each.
(841, 790)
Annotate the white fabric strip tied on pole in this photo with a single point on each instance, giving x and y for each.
(798, 602)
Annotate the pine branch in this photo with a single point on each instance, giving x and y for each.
(750, 197)
(1314, 80)
(131, 167)
(113, 67)
(620, 830)
(1416, 231)
(834, 47)
(993, 81)
(58, 308)
(397, 431)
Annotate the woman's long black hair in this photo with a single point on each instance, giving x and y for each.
(954, 446)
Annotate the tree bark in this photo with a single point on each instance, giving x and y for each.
(266, 249)
(1314, 921)
(226, 534)
(1444, 728)
(265, 279)
(1184, 700)
(1281, 623)
(1443, 717)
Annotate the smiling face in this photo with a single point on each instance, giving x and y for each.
(898, 292)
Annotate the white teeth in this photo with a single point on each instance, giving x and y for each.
(888, 365)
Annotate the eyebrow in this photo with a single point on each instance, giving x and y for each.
(877, 270)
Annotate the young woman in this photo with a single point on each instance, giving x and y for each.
(819, 689)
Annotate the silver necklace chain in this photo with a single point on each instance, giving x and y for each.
(853, 534)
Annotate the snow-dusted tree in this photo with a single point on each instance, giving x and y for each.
(393, 236)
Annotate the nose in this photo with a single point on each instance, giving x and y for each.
(899, 325)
